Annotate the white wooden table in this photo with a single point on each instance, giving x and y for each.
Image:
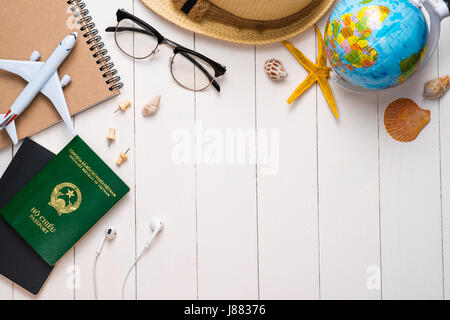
(338, 210)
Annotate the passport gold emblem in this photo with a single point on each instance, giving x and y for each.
(65, 198)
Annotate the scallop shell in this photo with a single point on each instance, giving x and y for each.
(275, 70)
(436, 88)
(404, 120)
(152, 107)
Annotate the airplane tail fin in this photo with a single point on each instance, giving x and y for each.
(11, 130)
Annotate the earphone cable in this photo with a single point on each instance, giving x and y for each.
(129, 272)
(94, 274)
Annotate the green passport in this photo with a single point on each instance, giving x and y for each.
(66, 199)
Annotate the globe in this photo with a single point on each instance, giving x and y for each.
(376, 44)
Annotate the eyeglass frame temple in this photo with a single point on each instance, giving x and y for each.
(123, 14)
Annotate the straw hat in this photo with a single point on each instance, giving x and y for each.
(243, 21)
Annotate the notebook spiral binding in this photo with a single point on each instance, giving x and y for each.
(90, 33)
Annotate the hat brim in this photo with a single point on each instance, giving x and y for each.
(218, 30)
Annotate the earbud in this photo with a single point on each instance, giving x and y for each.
(110, 234)
(156, 226)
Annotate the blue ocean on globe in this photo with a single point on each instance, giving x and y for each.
(376, 44)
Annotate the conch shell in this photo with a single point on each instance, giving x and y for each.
(404, 120)
(275, 69)
(436, 88)
(152, 107)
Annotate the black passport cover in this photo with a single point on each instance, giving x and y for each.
(18, 261)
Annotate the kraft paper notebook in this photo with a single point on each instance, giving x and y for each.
(64, 201)
(29, 25)
(18, 261)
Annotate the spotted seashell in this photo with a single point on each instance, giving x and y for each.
(275, 70)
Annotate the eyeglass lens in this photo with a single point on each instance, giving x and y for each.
(191, 72)
(135, 41)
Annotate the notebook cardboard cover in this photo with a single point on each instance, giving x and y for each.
(29, 25)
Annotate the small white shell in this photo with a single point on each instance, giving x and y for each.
(275, 69)
(436, 88)
(152, 107)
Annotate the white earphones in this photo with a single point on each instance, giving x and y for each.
(156, 226)
(110, 234)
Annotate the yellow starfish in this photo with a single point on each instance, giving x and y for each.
(318, 72)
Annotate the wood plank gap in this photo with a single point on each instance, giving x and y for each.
(196, 182)
(440, 175)
(256, 183)
(317, 175)
(134, 169)
(379, 196)
(74, 264)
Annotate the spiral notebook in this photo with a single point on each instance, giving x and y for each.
(29, 25)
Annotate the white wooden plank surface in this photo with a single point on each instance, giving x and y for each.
(348, 195)
(410, 202)
(346, 206)
(165, 185)
(226, 193)
(287, 183)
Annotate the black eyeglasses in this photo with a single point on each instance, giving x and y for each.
(139, 40)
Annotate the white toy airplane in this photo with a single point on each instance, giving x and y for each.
(41, 77)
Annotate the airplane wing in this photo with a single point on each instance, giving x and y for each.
(24, 69)
(54, 92)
